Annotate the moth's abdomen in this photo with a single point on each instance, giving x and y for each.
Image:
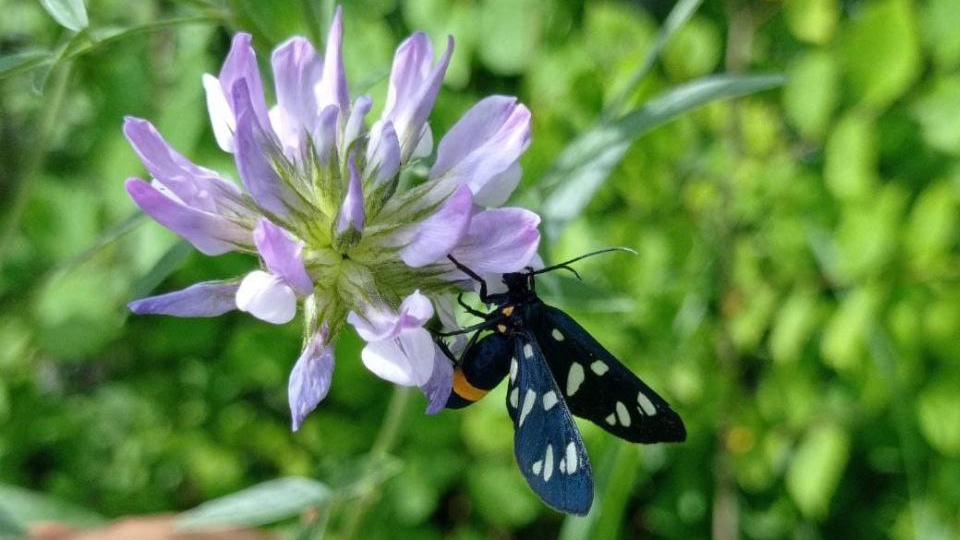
(482, 368)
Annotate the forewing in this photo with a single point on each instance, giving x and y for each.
(597, 386)
(547, 444)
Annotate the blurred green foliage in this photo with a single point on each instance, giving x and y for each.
(796, 297)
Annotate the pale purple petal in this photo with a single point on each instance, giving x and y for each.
(241, 66)
(351, 214)
(438, 386)
(407, 360)
(354, 127)
(283, 255)
(222, 120)
(376, 324)
(332, 89)
(209, 233)
(483, 145)
(296, 71)
(195, 186)
(267, 297)
(383, 155)
(253, 156)
(325, 134)
(436, 236)
(379, 323)
(207, 299)
(311, 376)
(413, 89)
(498, 189)
(415, 310)
(499, 241)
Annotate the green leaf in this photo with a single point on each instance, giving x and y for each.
(30, 506)
(850, 158)
(71, 14)
(811, 95)
(817, 468)
(511, 31)
(938, 112)
(678, 17)
(938, 30)
(882, 52)
(814, 21)
(938, 411)
(10, 527)
(15, 64)
(264, 503)
(587, 162)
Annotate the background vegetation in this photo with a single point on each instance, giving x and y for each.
(796, 296)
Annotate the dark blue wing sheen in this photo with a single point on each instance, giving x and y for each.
(597, 386)
(546, 442)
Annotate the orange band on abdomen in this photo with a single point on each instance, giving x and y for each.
(463, 388)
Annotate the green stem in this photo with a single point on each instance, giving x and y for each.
(33, 161)
(386, 441)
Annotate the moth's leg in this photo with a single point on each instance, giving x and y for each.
(476, 277)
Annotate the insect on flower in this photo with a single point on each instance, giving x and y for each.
(555, 367)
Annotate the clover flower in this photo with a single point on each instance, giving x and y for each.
(343, 228)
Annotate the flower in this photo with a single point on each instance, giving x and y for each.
(322, 206)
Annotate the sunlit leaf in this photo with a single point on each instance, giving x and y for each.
(938, 410)
(816, 469)
(587, 162)
(71, 14)
(264, 503)
(882, 51)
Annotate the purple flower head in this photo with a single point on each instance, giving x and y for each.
(320, 205)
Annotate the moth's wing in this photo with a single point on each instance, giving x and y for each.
(597, 386)
(483, 365)
(546, 442)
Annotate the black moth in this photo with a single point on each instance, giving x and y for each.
(555, 367)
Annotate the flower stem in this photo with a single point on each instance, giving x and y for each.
(387, 439)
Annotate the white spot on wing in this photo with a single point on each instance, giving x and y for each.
(548, 463)
(574, 378)
(528, 400)
(646, 404)
(599, 367)
(549, 400)
(537, 467)
(571, 458)
(556, 335)
(513, 369)
(528, 351)
(623, 414)
(514, 397)
(563, 465)
(612, 419)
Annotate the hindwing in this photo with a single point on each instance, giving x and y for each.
(596, 386)
(546, 441)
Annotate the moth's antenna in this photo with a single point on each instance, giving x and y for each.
(566, 264)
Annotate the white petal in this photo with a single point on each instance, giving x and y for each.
(222, 120)
(267, 297)
(407, 360)
(387, 361)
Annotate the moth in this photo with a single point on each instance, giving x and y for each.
(554, 368)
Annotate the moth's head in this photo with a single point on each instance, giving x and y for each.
(516, 281)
